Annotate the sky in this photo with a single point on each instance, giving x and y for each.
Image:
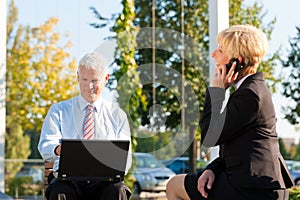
(75, 16)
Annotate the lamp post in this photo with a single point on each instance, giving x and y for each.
(2, 88)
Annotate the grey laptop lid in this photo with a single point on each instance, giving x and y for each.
(93, 160)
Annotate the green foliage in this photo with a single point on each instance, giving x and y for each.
(16, 143)
(38, 74)
(296, 153)
(23, 186)
(291, 83)
(294, 193)
(126, 33)
(169, 61)
(175, 71)
(129, 180)
(255, 15)
(149, 142)
(283, 150)
(45, 77)
(126, 75)
(168, 15)
(17, 146)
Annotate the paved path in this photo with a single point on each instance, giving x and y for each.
(142, 196)
(150, 196)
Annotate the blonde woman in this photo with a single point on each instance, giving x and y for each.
(249, 165)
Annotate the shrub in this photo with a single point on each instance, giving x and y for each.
(23, 186)
(295, 193)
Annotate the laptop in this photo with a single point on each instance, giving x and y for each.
(93, 160)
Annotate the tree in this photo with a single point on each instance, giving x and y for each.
(39, 74)
(165, 88)
(126, 34)
(283, 150)
(291, 83)
(296, 152)
(17, 147)
(149, 142)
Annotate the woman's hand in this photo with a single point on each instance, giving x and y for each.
(205, 182)
(223, 79)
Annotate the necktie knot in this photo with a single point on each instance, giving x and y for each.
(90, 107)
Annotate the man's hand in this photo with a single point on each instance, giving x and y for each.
(205, 181)
(57, 150)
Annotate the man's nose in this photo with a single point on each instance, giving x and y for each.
(91, 85)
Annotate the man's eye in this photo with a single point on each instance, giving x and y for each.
(95, 81)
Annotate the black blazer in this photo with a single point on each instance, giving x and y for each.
(246, 133)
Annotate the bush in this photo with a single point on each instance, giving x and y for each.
(295, 193)
(23, 186)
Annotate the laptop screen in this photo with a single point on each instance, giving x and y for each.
(93, 160)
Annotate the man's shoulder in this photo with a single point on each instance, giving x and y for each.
(65, 104)
(112, 107)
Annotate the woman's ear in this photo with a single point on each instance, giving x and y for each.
(240, 59)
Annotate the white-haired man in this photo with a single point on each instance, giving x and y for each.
(66, 119)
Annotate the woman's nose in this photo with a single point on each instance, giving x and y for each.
(213, 54)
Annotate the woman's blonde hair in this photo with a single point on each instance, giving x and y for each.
(246, 41)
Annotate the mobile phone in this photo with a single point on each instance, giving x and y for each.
(238, 65)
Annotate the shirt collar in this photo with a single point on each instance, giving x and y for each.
(239, 83)
(83, 103)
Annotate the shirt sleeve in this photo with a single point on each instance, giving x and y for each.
(51, 135)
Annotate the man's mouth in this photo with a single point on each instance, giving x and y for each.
(91, 92)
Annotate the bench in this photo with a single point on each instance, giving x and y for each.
(48, 168)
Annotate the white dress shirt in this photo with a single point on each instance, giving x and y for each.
(65, 120)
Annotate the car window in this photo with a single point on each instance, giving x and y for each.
(296, 167)
(178, 164)
(148, 162)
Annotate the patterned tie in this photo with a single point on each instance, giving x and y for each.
(89, 122)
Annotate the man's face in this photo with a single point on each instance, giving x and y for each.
(91, 83)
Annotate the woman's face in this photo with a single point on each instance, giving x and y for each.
(220, 56)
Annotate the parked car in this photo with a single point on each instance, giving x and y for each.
(36, 173)
(294, 168)
(5, 197)
(180, 165)
(150, 174)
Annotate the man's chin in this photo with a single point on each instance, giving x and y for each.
(91, 98)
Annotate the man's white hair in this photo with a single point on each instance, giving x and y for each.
(93, 60)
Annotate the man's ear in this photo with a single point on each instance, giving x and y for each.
(106, 78)
(77, 76)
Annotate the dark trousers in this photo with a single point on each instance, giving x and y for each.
(82, 190)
